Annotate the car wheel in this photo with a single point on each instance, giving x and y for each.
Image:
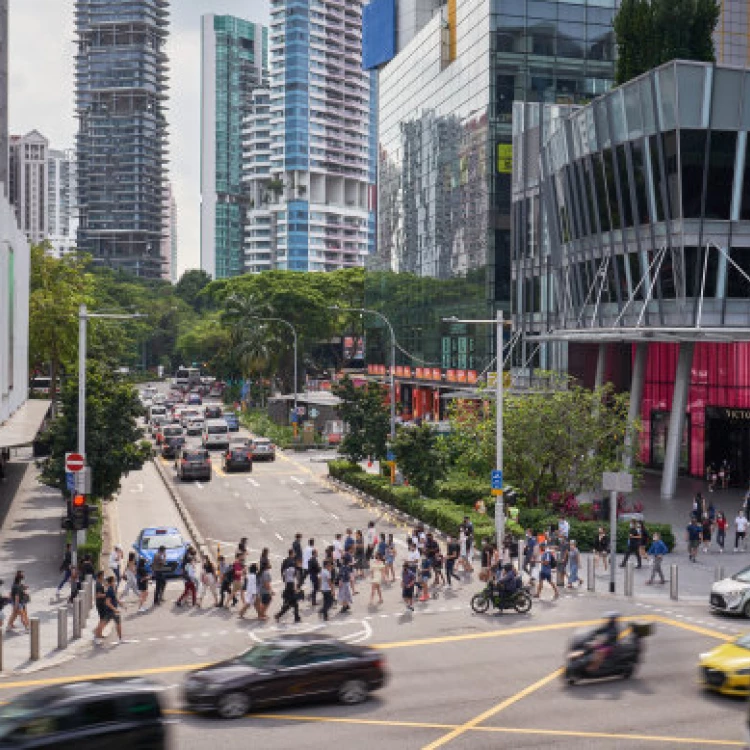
(353, 692)
(746, 609)
(233, 705)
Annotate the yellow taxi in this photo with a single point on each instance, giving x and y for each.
(726, 668)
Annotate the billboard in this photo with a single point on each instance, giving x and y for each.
(378, 33)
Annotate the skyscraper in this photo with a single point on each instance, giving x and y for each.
(234, 65)
(322, 195)
(169, 240)
(121, 88)
(62, 201)
(27, 189)
(4, 94)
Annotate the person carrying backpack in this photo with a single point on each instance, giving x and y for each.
(548, 563)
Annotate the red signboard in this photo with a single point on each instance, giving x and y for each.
(471, 376)
(420, 373)
(74, 462)
(436, 374)
(461, 376)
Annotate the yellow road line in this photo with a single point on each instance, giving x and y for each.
(693, 628)
(520, 695)
(497, 730)
(218, 470)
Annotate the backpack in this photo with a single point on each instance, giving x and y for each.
(313, 566)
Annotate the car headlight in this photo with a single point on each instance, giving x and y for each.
(733, 597)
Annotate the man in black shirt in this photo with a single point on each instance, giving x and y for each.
(159, 569)
(100, 596)
(453, 550)
(67, 561)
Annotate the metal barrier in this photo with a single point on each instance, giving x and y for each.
(674, 582)
(590, 573)
(629, 575)
(719, 573)
(77, 617)
(62, 628)
(34, 623)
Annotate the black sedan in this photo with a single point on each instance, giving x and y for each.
(237, 459)
(283, 670)
(171, 446)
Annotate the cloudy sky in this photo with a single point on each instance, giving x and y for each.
(41, 89)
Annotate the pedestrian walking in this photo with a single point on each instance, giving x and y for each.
(208, 581)
(529, 544)
(601, 548)
(19, 598)
(371, 540)
(115, 562)
(250, 591)
(131, 579)
(143, 577)
(547, 564)
(100, 596)
(574, 561)
(75, 583)
(390, 559)
(345, 586)
(265, 590)
(693, 536)
(377, 571)
(110, 611)
(634, 544)
(360, 556)
(190, 580)
(425, 573)
(706, 532)
(740, 525)
(721, 530)
(306, 555)
(408, 579)
(562, 560)
(65, 566)
(159, 567)
(313, 571)
(452, 553)
(657, 550)
(644, 541)
(326, 582)
(238, 572)
(289, 597)
(227, 582)
(463, 558)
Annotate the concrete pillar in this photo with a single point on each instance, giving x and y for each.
(601, 363)
(636, 395)
(677, 420)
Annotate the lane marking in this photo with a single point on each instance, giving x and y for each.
(490, 712)
(219, 470)
(314, 502)
(253, 482)
(248, 506)
(199, 485)
(333, 515)
(263, 520)
(279, 537)
(296, 479)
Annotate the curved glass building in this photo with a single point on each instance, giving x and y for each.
(631, 230)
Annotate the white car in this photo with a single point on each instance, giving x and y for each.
(195, 425)
(732, 595)
(187, 414)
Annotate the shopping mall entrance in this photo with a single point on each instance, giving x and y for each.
(728, 437)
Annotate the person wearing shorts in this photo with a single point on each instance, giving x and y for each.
(545, 572)
(142, 577)
(112, 606)
(408, 579)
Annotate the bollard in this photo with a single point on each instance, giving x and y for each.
(590, 573)
(629, 579)
(62, 628)
(77, 617)
(718, 573)
(1, 654)
(673, 582)
(87, 583)
(34, 623)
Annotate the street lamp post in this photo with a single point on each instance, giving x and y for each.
(499, 324)
(393, 357)
(294, 335)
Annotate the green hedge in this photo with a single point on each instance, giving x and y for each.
(464, 491)
(441, 513)
(93, 544)
(585, 532)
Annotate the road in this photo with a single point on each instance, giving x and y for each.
(457, 679)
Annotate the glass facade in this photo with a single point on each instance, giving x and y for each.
(121, 91)
(445, 163)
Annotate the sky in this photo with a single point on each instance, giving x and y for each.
(41, 95)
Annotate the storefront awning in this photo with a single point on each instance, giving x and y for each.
(22, 427)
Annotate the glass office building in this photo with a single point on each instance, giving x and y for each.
(632, 232)
(234, 66)
(121, 92)
(445, 161)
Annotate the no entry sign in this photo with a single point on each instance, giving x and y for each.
(74, 462)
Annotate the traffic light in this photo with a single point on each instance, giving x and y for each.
(79, 513)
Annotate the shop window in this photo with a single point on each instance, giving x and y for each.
(722, 153)
(693, 153)
(659, 434)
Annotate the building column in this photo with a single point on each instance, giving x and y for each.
(677, 420)
(601, 365)
(636, 395)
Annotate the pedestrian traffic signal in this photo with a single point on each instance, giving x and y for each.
(79, 501)
(79, 512)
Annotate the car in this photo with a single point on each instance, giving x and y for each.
(237, 459)
(166, 431)
(732, 595)
(149, 541)
(232, 420)
(94, 713)
(726, 668)
(188, 414)
(194, 463)
(212, 412)
(193, 399)
(171, 446)
(286, 670)
(195, 425)
(215, 434)
(263, 450)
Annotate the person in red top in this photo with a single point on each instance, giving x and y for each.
(237, 569)
(721, 529)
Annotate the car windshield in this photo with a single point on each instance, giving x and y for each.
(172, 431)
(170, 541)
(217, 429)
(262, 655)
(238, 452)
(195, 456)
(262, 444)
(743, 576)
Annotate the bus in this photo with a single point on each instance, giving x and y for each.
(186, 377)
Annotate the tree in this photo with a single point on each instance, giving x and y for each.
(58, 287)
(112, 434)
(649, 33)
(366, 417)
(420, 457)
(554, 441)
(190, 286)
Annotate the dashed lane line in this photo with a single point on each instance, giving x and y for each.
(253, 482)
(296, 479)
(279, 537)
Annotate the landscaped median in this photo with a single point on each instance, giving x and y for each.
(441, 513)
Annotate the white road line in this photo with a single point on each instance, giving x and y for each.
(248, 506)
(279, 537)
(263, 520)
(314, 502)
(253, 482)
(333, 515)
(298, 492)
(296, 479)
(199, 485)
(236, 494)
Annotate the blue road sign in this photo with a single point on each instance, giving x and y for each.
(496, 480)
(389, 456)
(70, 481)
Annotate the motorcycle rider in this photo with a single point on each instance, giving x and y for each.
(603, 642)
(506, 580)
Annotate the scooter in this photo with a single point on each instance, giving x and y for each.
(519, 600)
(622, 662)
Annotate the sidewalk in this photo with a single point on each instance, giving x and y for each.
(31, 539)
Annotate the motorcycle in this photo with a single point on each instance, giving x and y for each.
(622, 662)
(519, 600)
